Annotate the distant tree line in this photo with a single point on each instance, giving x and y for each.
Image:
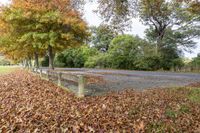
(121, 52)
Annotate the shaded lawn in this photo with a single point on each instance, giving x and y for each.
(7, 69)
(29, 104)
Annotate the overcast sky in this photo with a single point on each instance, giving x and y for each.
(137, 27)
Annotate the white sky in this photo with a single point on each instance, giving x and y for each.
(137, 27)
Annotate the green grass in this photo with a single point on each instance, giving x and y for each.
(7, 69)
(194, 95)
(171, 113)
(184, 109)
(157, 127)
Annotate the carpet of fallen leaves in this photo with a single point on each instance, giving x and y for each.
(29, 104)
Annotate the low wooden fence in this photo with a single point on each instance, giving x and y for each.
(186, 69)
(57, 77)
(80, 82)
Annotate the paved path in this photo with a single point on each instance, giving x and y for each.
(125, 79)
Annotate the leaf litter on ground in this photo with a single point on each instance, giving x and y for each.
(29, 104)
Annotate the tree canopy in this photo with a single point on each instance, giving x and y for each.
(44, 25)
(102, 36)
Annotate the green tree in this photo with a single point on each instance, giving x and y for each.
(101, 37)
(159, 15)
(195, 63)
(118, 13)
(162, 16)
(172, 42)
(125, 50)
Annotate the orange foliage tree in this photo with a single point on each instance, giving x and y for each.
(44, 25)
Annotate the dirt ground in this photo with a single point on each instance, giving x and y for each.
(29, 104)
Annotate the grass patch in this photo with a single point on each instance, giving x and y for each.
(171, 113)
(158, 127)
(194, 95)
(184, 109)
(7, 69)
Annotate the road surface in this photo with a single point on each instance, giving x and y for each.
(115, 80)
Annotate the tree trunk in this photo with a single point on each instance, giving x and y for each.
(26, 63)
(160, 35)
(159, 45)
(36, 60)
(51, 57)
(30, 62)
(156, 50)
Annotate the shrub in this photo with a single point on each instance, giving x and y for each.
(99, 61)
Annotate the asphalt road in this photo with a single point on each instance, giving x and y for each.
(115, 80)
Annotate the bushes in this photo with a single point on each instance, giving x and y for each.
(45, 61)
(74, 57)
(4, 62)
(195, 64)
(99, 61)
(125, 52)
(149, 63)
(60, 60)
(177, 64)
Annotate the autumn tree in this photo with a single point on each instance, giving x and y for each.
(47, 25)
(18, 26)
(8, 44)
(61, 25)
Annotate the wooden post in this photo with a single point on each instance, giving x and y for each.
(48, 76)
(41, 73)
(36, 70)
(81, 85)
(59, 78)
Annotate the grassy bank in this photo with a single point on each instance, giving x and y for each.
(7, 69)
